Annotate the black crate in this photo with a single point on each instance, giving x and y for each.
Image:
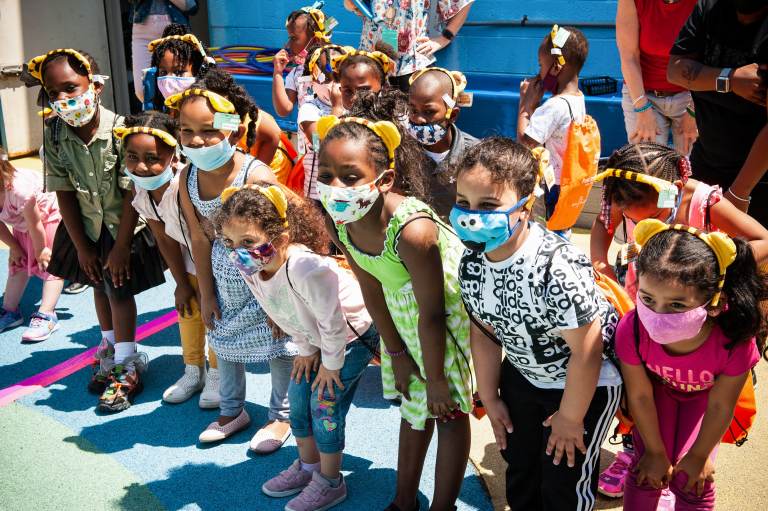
(598, 85)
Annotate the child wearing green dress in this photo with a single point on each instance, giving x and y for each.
(406, 261)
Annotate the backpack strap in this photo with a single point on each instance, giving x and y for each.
(570, 112)
(479, 325)
(708, 210)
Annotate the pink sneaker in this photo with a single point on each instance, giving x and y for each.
(288, 482)
(667, 501)
(611, 483)
(319, 495)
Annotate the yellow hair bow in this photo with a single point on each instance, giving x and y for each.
(187, 38)
(667, 191)
(385, 130)
(312, 63)
(558, 36)
(217, 101)
(35, 65)
(274, 193)
(385, 62)
(542, 157)
(723, 247)
(458, 82)
(122, 132)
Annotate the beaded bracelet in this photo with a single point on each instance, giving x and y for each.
(647, 106)
(396, 354)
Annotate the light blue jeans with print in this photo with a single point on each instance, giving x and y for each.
(669, 111)
(323, 417)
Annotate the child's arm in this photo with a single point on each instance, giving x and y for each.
(586, 344)
(201, 253)
(654, 467)
(751, 172)
(737, 224)
(600, 240)
(421, 255)
(486, 357)
(531, 93)
(282, 99)
(37, 232)
(308, 128)
(170, 249)
(720, 405)
(6, 236)
(269, 138)
(118, 262)
(87, 256)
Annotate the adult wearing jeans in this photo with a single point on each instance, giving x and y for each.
(653, 107)
(149, 18)
(715, 57)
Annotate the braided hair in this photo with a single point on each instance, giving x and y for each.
(153, 119)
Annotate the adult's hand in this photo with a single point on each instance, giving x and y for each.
(646, 129)
(689, 132)
(746, 83)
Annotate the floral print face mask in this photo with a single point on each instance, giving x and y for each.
(77, 111)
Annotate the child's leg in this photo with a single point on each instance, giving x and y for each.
(280, 374)
(453, 439)
(299, 395)
(14, 290)
(51, 293)
(103, 308)
(412, 450)
(232, 390)
(123, 317)
(192, 333)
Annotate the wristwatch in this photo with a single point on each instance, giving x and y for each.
(723, 81)
(448, 34)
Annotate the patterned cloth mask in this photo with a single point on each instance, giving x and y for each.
(347, 205)
(77, 111)
(170, 84)
(252, 261)
(427, 134)
(484, 231)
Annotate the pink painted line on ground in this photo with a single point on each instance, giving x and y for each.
(34, 383)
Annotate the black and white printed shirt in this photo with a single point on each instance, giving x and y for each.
(546, 287)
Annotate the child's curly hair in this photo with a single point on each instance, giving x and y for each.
(306, 224)
(153, 119)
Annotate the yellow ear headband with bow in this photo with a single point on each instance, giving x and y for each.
(558, 36)
(166, 137)
(723, 247)
(187, 38)
(385, 62)
(274, 193)
(385, 130)
(312, 64)
(319, 17)
(458, 82)
(217, 101)
(666, 190)
(35, 65)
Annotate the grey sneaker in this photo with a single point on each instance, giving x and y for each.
(187, 386)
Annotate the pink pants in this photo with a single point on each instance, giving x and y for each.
(680, 416)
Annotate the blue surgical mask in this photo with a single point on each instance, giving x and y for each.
(427, 134)
(152, 182)
(212, 157)
(484, 231)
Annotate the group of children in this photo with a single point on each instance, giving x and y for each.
(410, 235)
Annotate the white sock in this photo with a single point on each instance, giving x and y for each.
(108, 335)
(124, 350)
(310, 467)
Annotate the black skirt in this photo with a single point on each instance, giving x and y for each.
(146, 270)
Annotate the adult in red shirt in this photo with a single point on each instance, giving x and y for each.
(653, 107)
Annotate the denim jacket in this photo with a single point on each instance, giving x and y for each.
(140, 10)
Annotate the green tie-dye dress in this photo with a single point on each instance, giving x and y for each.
(389, 269)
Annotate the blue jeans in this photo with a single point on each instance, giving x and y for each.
(325, 418)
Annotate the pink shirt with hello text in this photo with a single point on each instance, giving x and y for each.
(690, 372)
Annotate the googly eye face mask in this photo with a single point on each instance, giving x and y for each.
(484, 231)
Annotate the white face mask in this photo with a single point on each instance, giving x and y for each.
(79, 110)
(347, 205)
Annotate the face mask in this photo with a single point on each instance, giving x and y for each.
(152, 182)
(427, 134)
(673, 327)
(484, 231)
(300, 58)
(209, 158)
(170, 84)
(549, 84)
(347, 205)
(77, 111)
(749, 6)
(252, 261)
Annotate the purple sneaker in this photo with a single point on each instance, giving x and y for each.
(288, 482)
(611, 482)
(319, 495)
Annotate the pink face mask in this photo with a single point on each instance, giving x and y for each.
(673, 327)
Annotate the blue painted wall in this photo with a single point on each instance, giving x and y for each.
(495, 58)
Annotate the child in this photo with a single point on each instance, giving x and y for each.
(562, 54)
(150, 161)
(33, 216)
(405, 260)
(686, 353)
(179, 59)
(306, 28)
(531, 296)
(100, 245)
(212, 117)
(433, 104)
(277, 240)
(362, 70)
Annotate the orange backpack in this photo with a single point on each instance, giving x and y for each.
(295, 179)
(582, 152)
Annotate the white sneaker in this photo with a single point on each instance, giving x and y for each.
(209, 398)
(188, 385)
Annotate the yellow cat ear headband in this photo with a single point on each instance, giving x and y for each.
(274, 193)
(312, 65)
(558, 36)
(217, 101)
(723, 246)
(319, 17)
(385, 130)
(166, 137)
(35, 66)
(187, 38)
(667, 190)
(385, 62)
(458, 82)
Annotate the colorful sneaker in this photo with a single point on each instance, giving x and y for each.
(666, 501)
(187, 386)
(209, 397)
(611, 482)
(41, 326)
(10, 319)
(124, 385)
(288, 482)
(75, 288)
(104, 361)
(319, 495)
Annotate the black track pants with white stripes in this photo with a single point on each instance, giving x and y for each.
(533, 481)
